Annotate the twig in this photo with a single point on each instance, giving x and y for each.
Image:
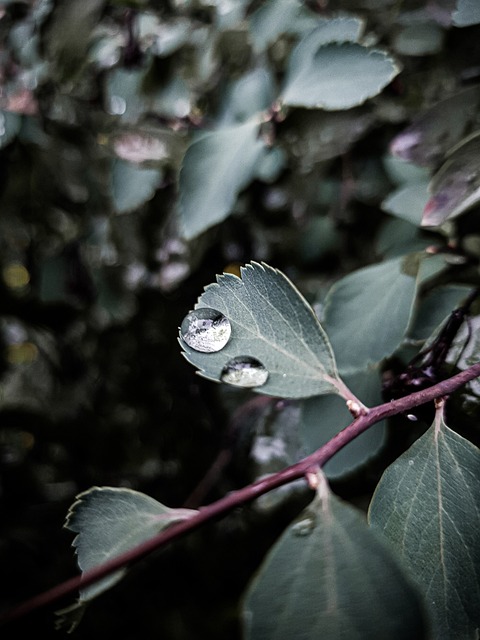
(247, 494)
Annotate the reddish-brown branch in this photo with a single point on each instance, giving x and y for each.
(247, 494)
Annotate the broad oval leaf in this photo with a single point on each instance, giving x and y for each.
(110, 521)
(215, 169)
(466, 13)
(336, 76)
(328, 577)
(367, 312)
(427, 505)
(273, 323)
(455, 188)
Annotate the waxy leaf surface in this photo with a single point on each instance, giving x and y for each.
(329, 577)
(427, 505)
(110, 521)
(335, 76)
(368, 311)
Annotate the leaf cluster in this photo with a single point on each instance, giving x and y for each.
(317, 164)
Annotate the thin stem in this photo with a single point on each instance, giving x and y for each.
(247, 494)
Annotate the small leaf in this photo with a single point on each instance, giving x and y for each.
(215, 169)
(455, 188)
(466, 13)
(427, 505)
(328, 577)
(335, 76)
(433, 133)
(366, 321)
(272, 323)
(132, 185)
(408, 202)
(109, 522)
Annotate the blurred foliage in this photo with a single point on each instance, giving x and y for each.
(121, 120)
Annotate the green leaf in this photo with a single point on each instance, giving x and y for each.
(273, 323)
(397, 238)
(324, 416)
(408, 202)
(313, 135)
(247, 96)
(215, 169)
(433, 310)
(330, 577)
(335, 76)
(466, 13)
(419, 39)
(427, 505)
(276, 17)
(133, 186)
(455, 187)
(434, 132)
(109, 522)
(368, 311)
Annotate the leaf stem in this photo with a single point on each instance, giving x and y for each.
(245, 495)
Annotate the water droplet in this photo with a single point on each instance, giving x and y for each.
(303, 527)
(412, 417)
(244, 371)
(206, 330)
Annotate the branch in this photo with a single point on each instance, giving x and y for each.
(247, 494)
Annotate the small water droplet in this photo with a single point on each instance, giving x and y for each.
(304, 527)
(412, 417)
(206, 330)
(244, 371)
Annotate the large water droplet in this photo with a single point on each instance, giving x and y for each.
(244, 371)
(206, 330)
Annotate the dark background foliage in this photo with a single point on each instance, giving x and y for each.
(96, 277)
